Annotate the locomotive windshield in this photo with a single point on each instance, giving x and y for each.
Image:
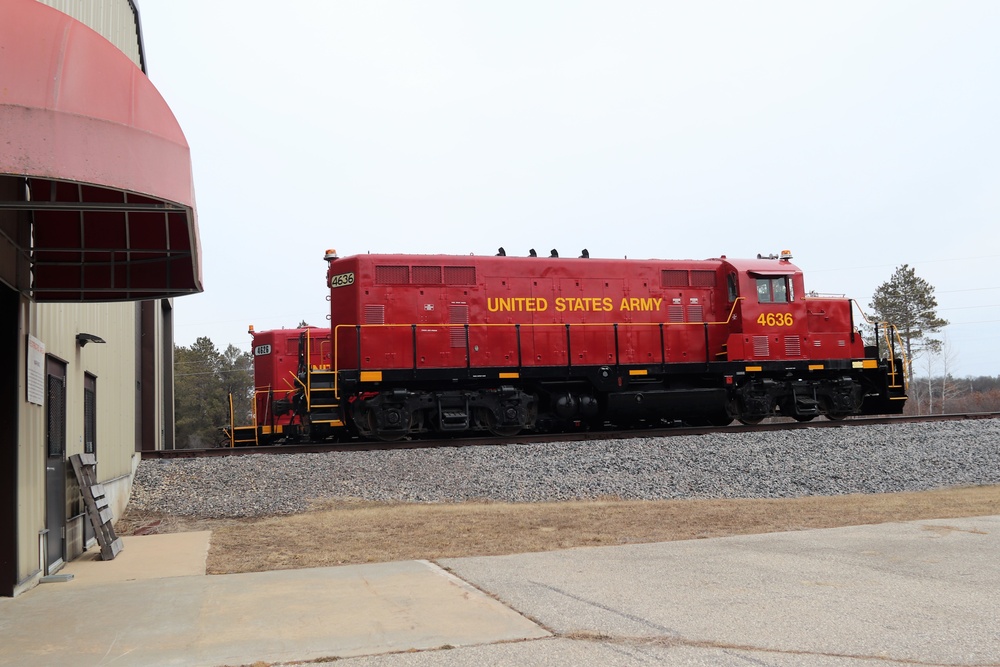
(774, 289)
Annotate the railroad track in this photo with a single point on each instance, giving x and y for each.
(576, 436)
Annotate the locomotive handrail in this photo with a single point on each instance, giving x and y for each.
(905, 361)
(732, 311)
(232, 423)
(887, 339)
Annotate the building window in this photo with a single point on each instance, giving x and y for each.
(89, 414)
(55, 404)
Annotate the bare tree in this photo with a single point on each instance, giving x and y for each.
(950, 389)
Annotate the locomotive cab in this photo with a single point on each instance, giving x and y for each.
(802, 354)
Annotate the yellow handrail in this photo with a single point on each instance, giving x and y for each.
(232, 423)
(887, 338)
(336, 338)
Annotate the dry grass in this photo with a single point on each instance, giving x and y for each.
(348, 532)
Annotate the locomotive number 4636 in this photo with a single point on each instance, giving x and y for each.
(342, 280)
(775, 320)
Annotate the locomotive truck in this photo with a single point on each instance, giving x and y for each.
(440, 344)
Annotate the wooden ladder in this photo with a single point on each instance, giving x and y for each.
(85, 467)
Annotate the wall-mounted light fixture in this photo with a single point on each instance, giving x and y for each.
(84, 338)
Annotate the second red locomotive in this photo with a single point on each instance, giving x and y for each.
(440, 343)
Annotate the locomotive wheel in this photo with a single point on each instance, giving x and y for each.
(390, 436)
(751, 421)
(505, 431)
(487, 418)
(500, 431)
(803, 418)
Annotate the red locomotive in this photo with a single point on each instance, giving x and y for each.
(279, 364)
(442, 344)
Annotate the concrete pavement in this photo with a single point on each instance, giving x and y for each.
(917, 593)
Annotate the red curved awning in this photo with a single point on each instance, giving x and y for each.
(94, 160)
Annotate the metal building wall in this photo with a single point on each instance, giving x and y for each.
(30, 466)
(113, 364)
(116, 20)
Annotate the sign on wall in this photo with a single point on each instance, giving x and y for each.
(36, 371)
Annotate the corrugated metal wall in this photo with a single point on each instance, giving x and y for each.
(115, 19)
(30, 464)
(113, 365)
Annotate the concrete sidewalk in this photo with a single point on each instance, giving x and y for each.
(154, 605)
(925, 592)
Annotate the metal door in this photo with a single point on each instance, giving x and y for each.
(55, 465)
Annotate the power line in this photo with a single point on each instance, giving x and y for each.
(911, 264)
(971, 289)
(235, 370)
(988, 305)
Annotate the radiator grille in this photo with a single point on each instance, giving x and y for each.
(458, 313)
(375, 313)
(459, 275)
(427, 275)
(673, 278)
(793, 346)
(761, 346)
(703, 278)
(392, 275)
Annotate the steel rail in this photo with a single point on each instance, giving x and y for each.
(574, 436)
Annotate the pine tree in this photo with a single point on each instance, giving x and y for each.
(204, 378)
(907, 301)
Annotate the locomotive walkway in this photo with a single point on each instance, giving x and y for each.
(916, 593)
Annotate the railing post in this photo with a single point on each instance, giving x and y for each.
(468, 350)
(617, 353)
(358, 329)
(708, 358)
(663, 349)
(517, 334)
(413, 335)
(569, 349)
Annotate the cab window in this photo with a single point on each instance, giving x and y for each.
(733, 291)
(773, 290)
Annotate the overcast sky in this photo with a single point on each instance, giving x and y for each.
(859, 135)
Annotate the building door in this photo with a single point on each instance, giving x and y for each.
(55, 464)
(89, 435)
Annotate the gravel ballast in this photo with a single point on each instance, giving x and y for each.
(778, 464)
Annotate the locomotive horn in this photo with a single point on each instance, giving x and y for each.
(553, 253)
(501, 252)
(532, 253)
